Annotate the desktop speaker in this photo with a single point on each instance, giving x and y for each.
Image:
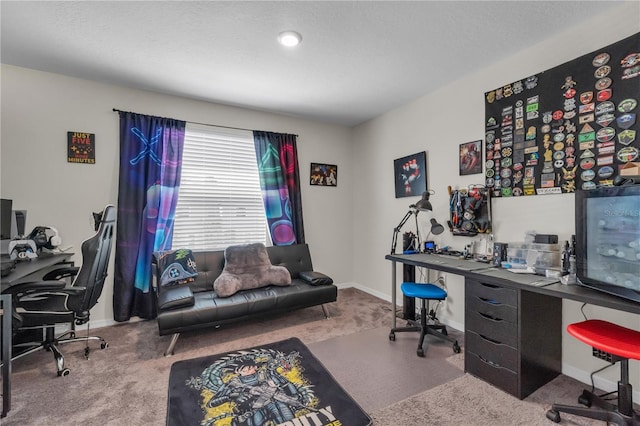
(21, 221)
(499, 253)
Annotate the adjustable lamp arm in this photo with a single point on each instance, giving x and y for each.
(396, 230)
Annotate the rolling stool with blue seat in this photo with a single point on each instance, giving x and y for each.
(425, 292)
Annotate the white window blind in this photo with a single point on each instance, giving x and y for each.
(220, 201)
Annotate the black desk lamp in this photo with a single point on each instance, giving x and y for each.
(436, 228)
(423, 205)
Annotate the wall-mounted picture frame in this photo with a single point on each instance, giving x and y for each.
(324, 174)
(410, 174)
(470, 155)
(81, 147)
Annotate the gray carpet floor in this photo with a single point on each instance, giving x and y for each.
(377, 372)
(126, 384)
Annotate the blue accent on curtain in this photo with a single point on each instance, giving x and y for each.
(280, 182)
(150, 165)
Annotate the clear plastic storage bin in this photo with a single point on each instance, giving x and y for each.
(533, 254)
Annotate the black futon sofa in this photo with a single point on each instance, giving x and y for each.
(195, 305)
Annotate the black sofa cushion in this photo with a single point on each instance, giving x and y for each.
(315, 278)
(175, 297)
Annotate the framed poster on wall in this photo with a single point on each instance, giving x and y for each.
(324, 174)
(81, 147)
(470, 154)
(410, 174)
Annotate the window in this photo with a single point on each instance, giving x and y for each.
(220, 200)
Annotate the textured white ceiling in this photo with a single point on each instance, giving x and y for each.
(358, 59)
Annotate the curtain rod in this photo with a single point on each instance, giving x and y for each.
(202, 124)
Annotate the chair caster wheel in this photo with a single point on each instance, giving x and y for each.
(456, 348)
(420, 352)
(64, 372)
(392, 336)
(553, 415)
(585, 399)
(104, 345)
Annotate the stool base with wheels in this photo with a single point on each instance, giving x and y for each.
(611, 343)
(425, 292)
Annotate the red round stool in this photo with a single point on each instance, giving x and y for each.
(611, 343)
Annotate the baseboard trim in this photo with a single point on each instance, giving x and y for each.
(360, 287)
(94, 325)
(600, 382)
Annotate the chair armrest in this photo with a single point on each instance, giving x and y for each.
(42, 289)
(31, 286)
(315, 278)
(174, 297)
(60, 273)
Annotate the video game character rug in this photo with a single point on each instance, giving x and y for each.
(280, 383)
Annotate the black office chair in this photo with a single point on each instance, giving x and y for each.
(41, 305)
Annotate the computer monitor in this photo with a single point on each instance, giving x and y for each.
(6, 214)
(14, 224)
(608, 240)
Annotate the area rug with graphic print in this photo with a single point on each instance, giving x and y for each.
(279, 383)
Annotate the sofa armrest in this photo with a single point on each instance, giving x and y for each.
(179, 296)
(315, 278)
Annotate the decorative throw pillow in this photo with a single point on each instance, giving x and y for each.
(177, 267)
(247, 267)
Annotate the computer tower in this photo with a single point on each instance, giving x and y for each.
(408, 275)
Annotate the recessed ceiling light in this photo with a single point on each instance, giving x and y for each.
(289, 38)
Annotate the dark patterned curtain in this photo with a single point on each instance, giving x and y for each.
(150, 164)
(280, 182)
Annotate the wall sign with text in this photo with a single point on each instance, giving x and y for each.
(568, 128)
(81, 147)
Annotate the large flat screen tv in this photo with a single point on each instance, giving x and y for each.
(608, 240)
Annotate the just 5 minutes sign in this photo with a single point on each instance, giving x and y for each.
(81, 147)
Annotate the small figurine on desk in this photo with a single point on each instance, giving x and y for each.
(565, 258)
(570, 278)
(468, 250)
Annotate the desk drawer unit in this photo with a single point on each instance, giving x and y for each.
(493, 320)
(512, 336)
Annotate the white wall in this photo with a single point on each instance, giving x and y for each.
(438, 123)
(38, 109)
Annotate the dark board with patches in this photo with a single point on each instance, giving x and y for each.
(568, 128)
